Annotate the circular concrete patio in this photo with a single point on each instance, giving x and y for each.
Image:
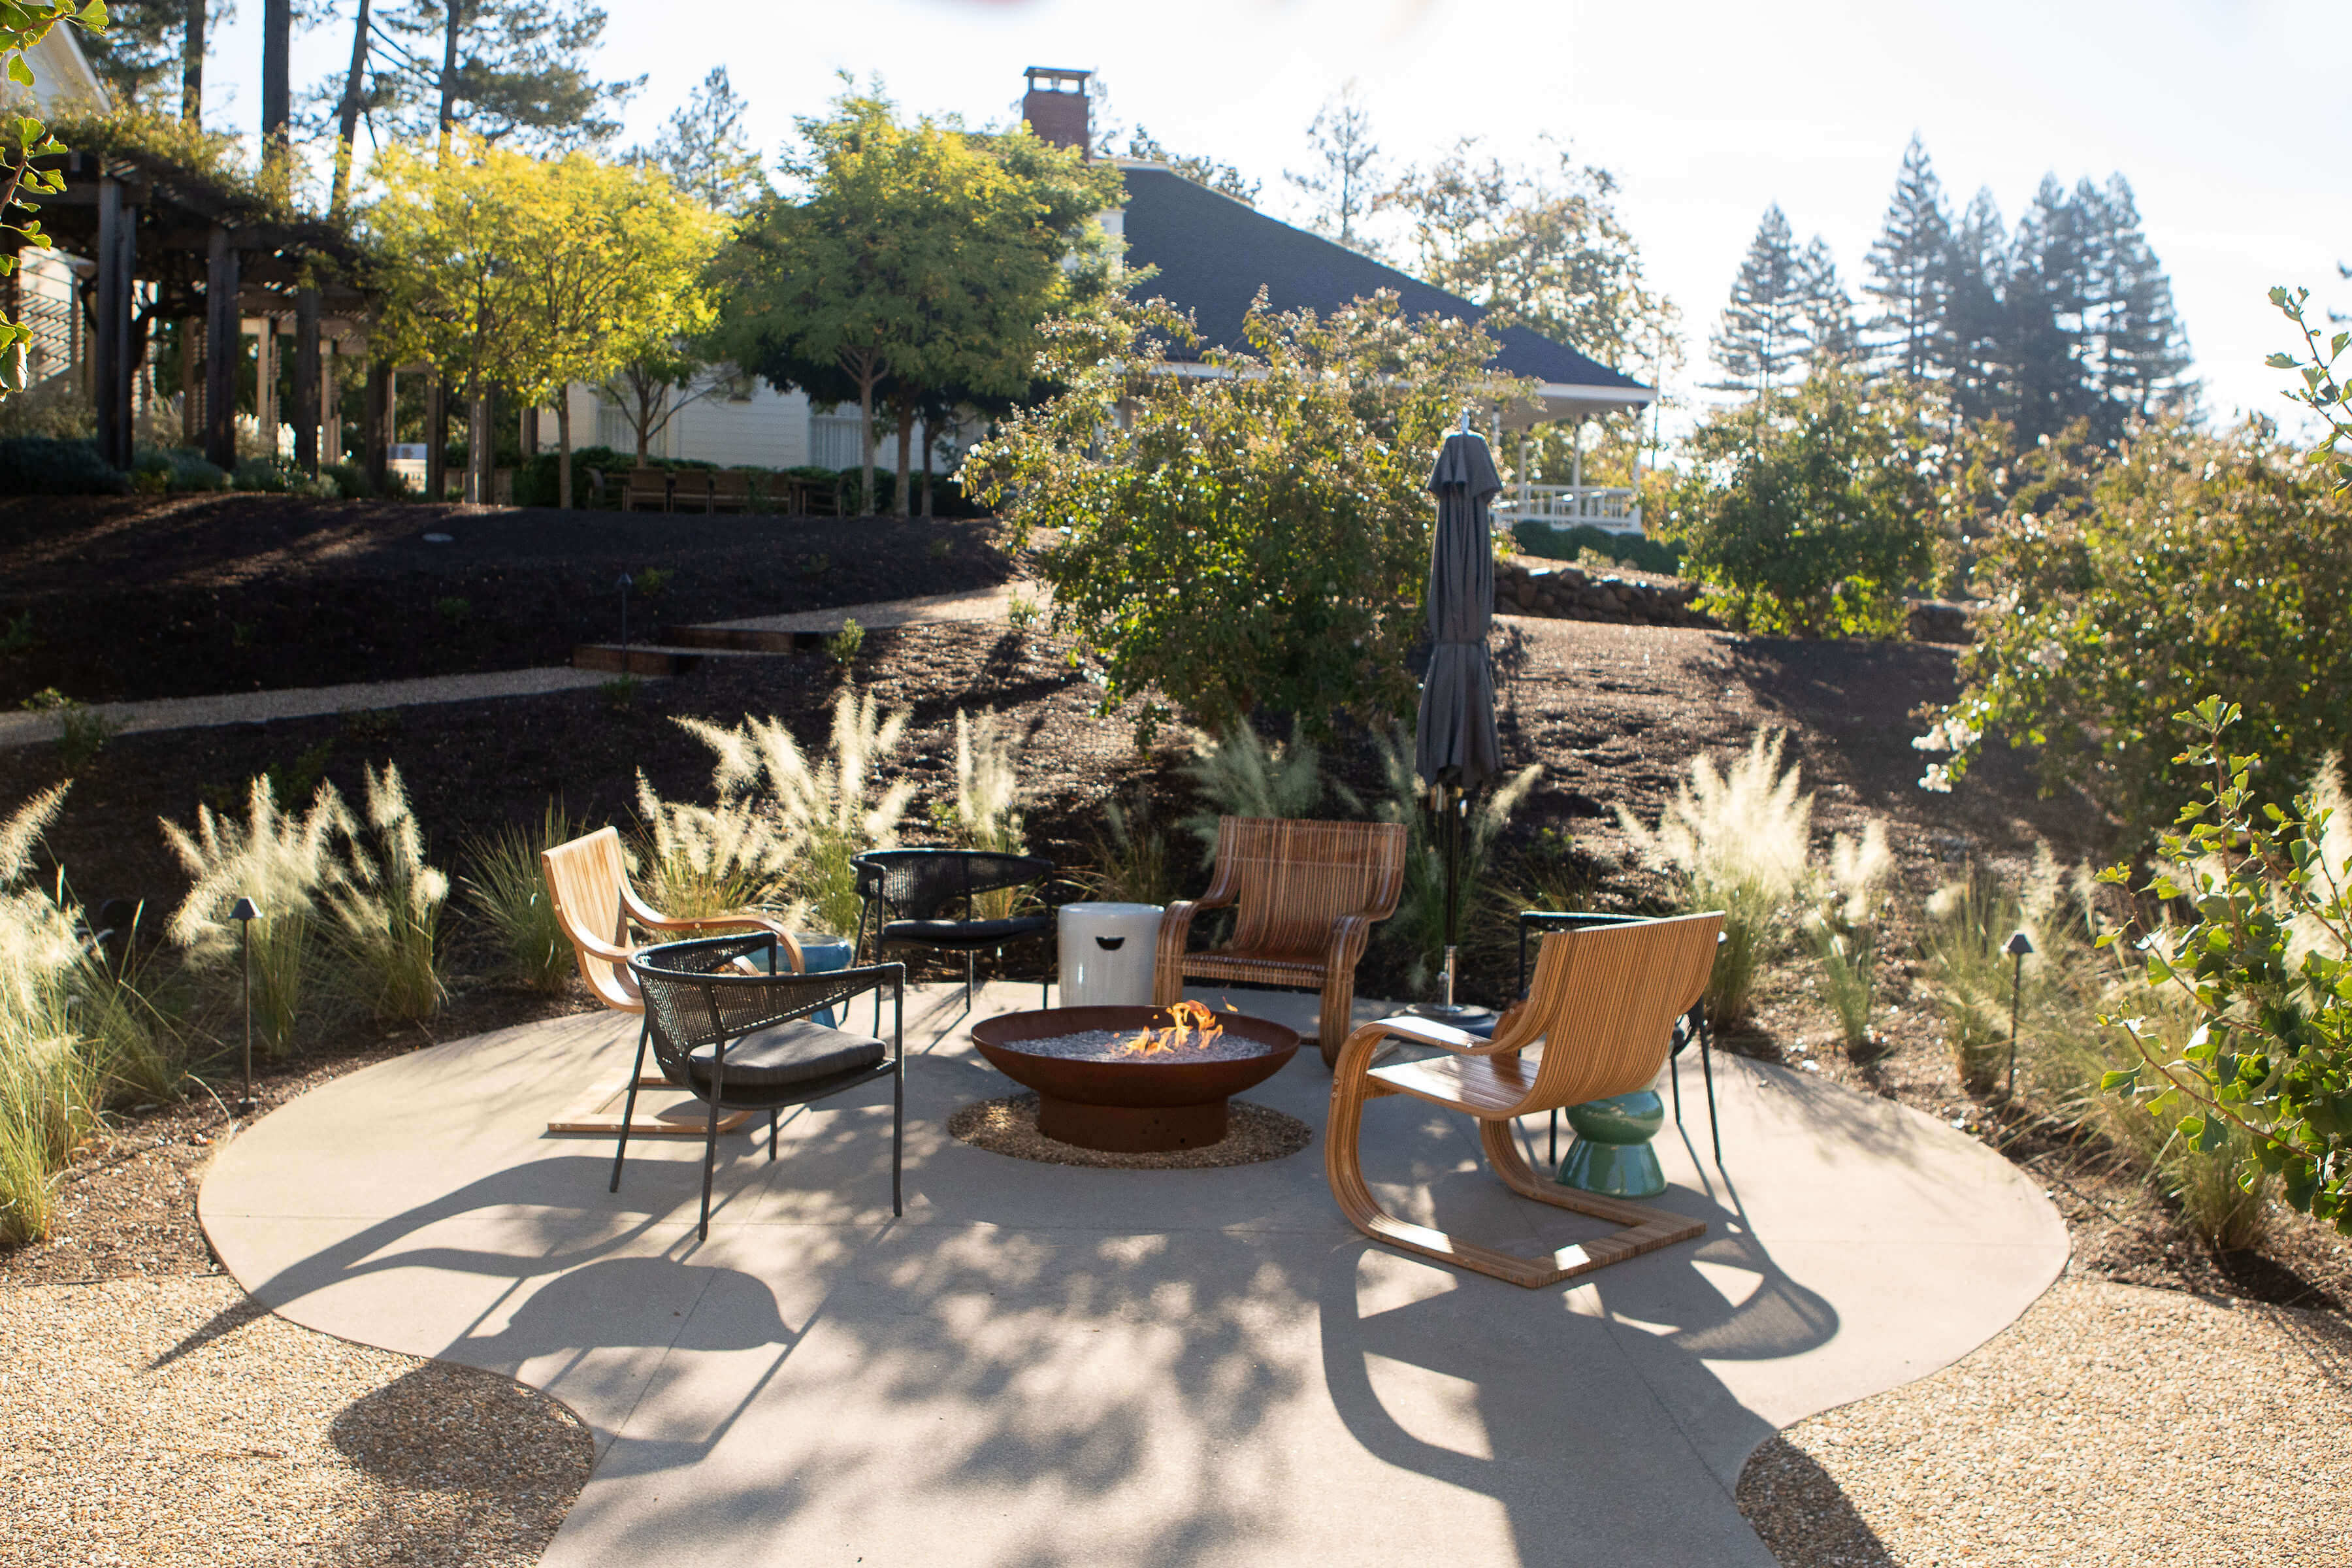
(1046, 1365)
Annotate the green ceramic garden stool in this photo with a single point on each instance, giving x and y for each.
(1612, 1152)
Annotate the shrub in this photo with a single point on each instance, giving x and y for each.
(842, 647)
(387, 907)
(1233, 542)
(987, 812)
(281, 476)
(507, 889)
(155, 470)
(2128, 588)
(81, 734)
(48, 1101)
(48, 466)
(2264, 969)
(1240, 774)
(1735, 839)
(1131, 862)
(538, 479)
(1637, 551)
(1844, 929)
(1418, 927)
(1813, 514)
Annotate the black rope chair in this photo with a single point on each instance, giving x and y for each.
(930, 898)
(739, 1039)
(1691, 1028)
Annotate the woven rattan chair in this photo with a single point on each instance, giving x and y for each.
(1600, 1020)
(1308, 894)
(1693, 1028)
(932, 898)
(743, 1040)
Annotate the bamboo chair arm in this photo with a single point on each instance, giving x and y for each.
(1424, 1032)
(1175, 927)
(1350, 934)
(596, 949)
(652, 919)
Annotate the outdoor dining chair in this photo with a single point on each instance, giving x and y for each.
(730, 491)
(1693, 1028)
(1598, 1021)
(938, 898)
(1308, 894)
(742, 1039)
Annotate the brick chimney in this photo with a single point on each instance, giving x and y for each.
(1056, 110)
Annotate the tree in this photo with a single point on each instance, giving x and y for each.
(1761, 336)
(1253, 538)
(1824, 309)
(1906, 270)
(704, 152)
(1342, 182)
(515, 72)
(1223, 178)
(2140, 352)
(23, 24)
(348, 108)
(1814, 516)
(610, 263)
(134, 55)
(2130, 584)
(1975, 341)
(658, 383)
(921, 257)
(2049, 284)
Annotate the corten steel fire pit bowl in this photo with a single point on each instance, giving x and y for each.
(1135, 1104)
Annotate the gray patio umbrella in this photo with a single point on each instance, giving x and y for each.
(1455, 748)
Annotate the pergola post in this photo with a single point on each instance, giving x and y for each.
(222, 321)
(376, 432)
(118, 221)
(305, 380)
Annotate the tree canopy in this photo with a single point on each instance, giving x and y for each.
(516, 72)
(915, 257)
(1253, 538)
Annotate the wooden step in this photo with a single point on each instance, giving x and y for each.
(741, 639)
(641, 658)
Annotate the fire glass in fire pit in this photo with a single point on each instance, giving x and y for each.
(1134, 1080)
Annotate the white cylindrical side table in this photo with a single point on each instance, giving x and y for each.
(1107, 953)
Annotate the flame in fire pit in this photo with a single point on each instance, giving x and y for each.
(1194, 1026)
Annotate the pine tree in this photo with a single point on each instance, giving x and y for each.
(2142, 359)
(514, 73)
(1342, 185)
(1761, 336)
(704, 152)
(1976, 273)
(1825, 310)
(136, 53)
(1907, 273)
(2043, 306)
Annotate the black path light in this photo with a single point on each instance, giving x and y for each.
(244, 913)
(2017, 947)
(625, 585)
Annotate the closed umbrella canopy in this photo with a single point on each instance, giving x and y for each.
(1455, 741)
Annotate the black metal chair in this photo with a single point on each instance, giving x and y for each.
(930, 898)
(741, 1040)
(1691, 1028)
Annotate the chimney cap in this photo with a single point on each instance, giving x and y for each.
(1057, 76)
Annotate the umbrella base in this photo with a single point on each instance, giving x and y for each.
(1472, 1020)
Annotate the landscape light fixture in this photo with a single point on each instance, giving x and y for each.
(244, 914)
(2017, 947)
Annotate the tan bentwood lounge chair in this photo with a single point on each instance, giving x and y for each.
(589, 886)
(1599, 1020)
(1309, 894)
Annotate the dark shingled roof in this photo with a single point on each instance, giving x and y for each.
(1213, 253)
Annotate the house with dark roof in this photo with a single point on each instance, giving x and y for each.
(1212, 252)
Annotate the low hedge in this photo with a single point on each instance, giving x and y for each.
(1634, 549)
(48, 466)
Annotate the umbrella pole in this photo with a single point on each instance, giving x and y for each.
(1453, 808)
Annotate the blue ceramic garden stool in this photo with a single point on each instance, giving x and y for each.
(1612, 1152)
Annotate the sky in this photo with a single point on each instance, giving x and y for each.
(2229, 118)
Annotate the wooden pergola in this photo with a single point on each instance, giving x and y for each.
(216, 254)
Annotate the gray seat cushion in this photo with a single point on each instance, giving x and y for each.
(967, 933)
(784, 1056)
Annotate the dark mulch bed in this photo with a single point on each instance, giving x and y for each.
(189, 596)
(1614, 713)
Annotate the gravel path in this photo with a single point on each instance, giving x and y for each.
(167, 1421)
(2109, 1426)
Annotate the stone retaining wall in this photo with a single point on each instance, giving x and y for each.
(1568, 592)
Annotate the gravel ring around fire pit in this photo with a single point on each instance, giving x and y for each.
(1009, 1126)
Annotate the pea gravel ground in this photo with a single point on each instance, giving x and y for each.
(2110, 1425)
(167, 1421)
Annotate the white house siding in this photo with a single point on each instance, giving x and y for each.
(768, 429)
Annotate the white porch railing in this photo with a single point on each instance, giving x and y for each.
(1613, 507)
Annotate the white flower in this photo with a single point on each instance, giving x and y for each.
(1937, 780)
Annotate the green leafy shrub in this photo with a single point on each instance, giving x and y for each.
(81, 733)
(2127, 588)
(176, 470)
(2265, 968)
(48, 466)
(843, 645)
(1255, 540)
(507, 888)
(1736, 840)
(538, 479)
(1637, 551)
(1813, 513)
